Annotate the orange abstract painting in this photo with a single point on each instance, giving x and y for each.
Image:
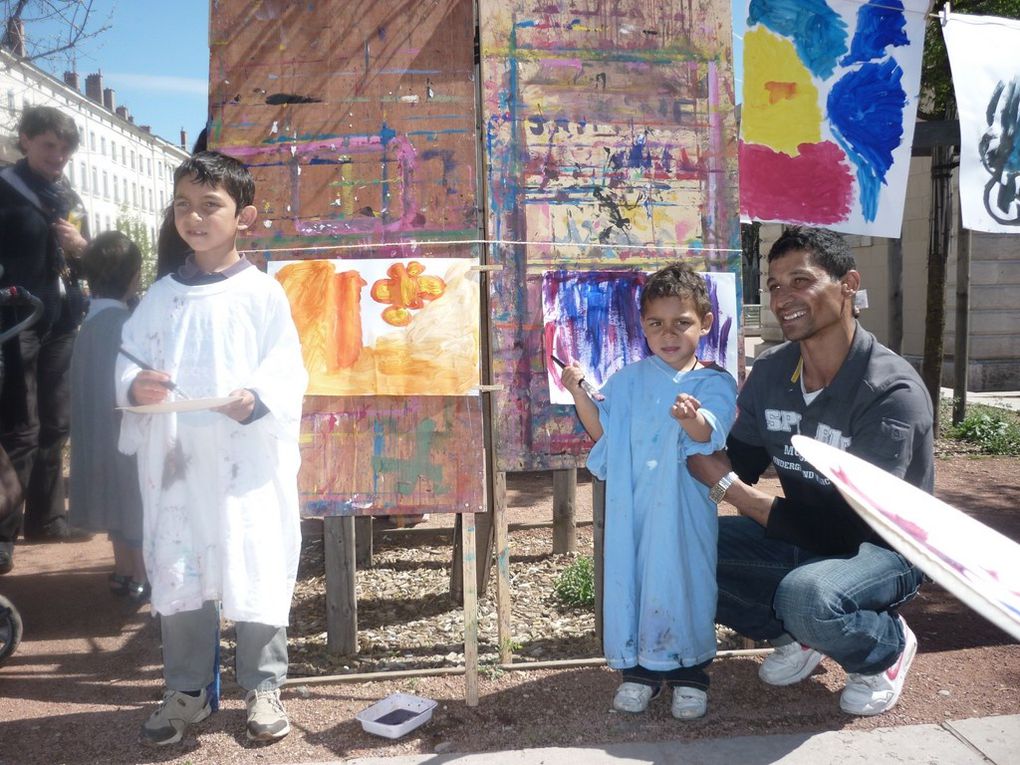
(386, 327)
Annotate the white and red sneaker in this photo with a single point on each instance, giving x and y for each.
(874, 694)
(789, 664)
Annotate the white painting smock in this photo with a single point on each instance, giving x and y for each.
(220, 498)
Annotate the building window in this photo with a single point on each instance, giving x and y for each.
(99, 224)
(123, 154)
(109, 226)
(134, 194)
(150, 199)
(125, 191)
(102, 145)
(84, 176)
(106, 184)
(159, 169)
(113, 150)
(70, 173)
(116, 190)
(11, 103)
(92, 140)
(95, 181)
(132, 159)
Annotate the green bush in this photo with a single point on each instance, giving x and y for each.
(575, 586)
(994, 431)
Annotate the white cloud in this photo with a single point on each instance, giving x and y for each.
(166, 84)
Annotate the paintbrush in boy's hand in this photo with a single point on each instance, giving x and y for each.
(586, 386)
(170, 384)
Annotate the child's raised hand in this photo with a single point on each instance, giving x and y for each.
(571, 377)
(150, 387)
(685, 407)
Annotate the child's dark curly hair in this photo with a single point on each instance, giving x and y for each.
(111, 262)
(677, 280)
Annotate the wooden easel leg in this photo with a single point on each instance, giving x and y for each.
(363, 541)
(457, 562)
(598, 513)
(470, 612)
(502, 551)
(564, 515)
(341, 600)
(484, 536)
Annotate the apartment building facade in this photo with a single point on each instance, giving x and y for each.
(121, 169)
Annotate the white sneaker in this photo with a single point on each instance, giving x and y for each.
(689, 703)
(874, 694)
(633, 697)
(789, 664)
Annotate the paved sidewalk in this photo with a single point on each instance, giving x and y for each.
(982, 741)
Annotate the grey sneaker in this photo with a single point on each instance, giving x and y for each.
(173, 715)
(267, 719)
(874, 694)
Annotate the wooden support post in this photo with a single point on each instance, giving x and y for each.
(484, 536)
(341, 600)
(363, 541)
(457, 563)
(961, 345)
(564, 516)
(470, 611)
(598, 516)
(502, 551)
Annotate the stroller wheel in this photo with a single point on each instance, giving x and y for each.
(10, 628)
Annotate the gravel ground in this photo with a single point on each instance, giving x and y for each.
(89, 669)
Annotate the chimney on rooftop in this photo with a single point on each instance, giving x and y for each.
(14, 39)
(131, 119)
(184, 139)
(94, 87)
(109, 99)
(145, 128)
(71, 80)
(122, 112)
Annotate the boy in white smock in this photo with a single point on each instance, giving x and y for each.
(660, 540)
(219, 486)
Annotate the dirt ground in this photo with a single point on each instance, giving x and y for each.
(89, 671)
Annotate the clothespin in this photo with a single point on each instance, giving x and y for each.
(944, 14)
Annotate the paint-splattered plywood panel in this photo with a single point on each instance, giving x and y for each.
(610, 142)
(358, 122)
(391, 456)
(357, 119)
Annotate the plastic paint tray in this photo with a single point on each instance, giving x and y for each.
(396, 715)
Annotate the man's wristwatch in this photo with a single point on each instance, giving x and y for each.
(717, 492)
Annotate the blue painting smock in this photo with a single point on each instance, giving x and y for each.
(661, 527)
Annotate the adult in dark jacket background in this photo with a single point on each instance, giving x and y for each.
(803, 570)
(43, 231)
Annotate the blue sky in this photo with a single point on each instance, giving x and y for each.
(155, 55)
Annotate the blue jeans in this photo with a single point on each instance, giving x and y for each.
(844, 607)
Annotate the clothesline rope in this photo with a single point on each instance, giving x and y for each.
(443, 243)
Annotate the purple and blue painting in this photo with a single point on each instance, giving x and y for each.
(592, 317)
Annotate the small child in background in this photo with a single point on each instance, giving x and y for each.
(660, 539)
(103, 494)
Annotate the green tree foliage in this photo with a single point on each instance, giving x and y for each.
(939, 101)
(138, 232)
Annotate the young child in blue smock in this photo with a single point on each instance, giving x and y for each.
(660, 548)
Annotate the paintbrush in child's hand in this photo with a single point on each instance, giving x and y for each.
(586, 386)
(170, 384)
